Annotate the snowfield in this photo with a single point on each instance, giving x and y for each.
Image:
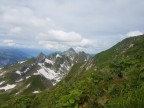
(48, 73)
(21, 62)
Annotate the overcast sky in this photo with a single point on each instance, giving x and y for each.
(89, 25)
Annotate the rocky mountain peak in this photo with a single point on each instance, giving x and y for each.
(71, 50)
(81, 52)
(41, 57)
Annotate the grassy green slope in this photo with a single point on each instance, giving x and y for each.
(115, 79)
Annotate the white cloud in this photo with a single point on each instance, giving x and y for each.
(15, 30)
(60, 40)
(65, 36)
(131, 34)
(8, 42)
(24, 21)
(23, 16)
(59, 35)
(85, 43)
(134, 33)
(63, 45)
(11, 44)
(30, 27)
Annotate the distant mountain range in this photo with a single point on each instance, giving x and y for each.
(37, 74)
(11, 56)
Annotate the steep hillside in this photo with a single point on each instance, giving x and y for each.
(37, 74)
(112, 79)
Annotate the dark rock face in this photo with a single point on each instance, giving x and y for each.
(47, 83)
(41, 58)
(70, 52)
(23, 67)
(82, 56)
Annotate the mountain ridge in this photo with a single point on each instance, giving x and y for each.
(38, 74)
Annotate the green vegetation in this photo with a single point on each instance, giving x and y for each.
(36, 83)
(10, 77)
(112, 79)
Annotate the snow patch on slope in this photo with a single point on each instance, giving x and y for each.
(58, 56)
(7, 87)
(27, 86)
(26, 70)
(21, 90)
(28, 77)
(1, 74)
(19, 80)
(62, 65)
(21, 62)
(49, 61)
(49, 73)
(18, 72)
(2, 82)
(36, 73)
(36, 92)
(72, 58)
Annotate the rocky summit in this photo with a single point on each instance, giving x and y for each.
(41, 58)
